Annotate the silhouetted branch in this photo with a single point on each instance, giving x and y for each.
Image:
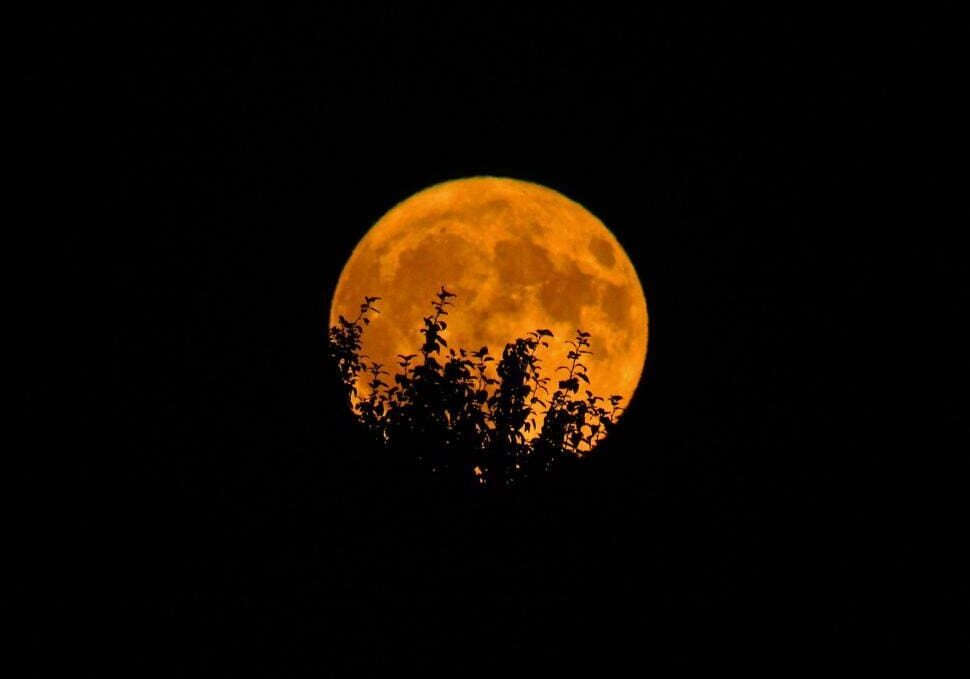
(455, 415)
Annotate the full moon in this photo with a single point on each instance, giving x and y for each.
(519, 256)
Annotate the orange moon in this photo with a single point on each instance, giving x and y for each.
(519, 256)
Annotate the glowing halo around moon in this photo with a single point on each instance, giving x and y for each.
(519, 256)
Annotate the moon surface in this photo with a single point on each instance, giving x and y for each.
(519, 256)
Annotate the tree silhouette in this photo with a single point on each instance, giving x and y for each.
(462, 412)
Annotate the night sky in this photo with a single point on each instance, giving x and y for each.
(214, 172)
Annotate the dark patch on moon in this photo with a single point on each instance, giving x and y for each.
(420, 263)
(615, 301)
(562, 296)
(522, 262)
(603, 251)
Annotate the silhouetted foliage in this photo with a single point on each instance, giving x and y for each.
(458, 414)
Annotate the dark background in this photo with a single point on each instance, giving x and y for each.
(767, 175)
